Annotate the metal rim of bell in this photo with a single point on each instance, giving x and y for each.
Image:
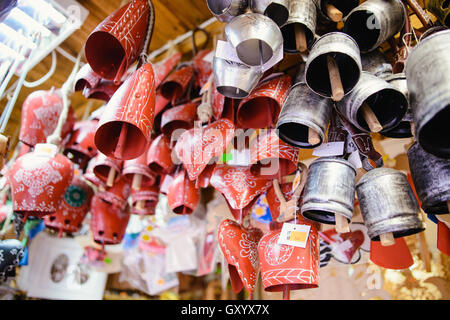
(299, 125)
(226, 10)
(432, 109)
(387, 102)
(347, 55)
(399, 224)
(429, 185)
(255, 37)
(371, 28)
(229, 79)
(324, 212)
(277, 10)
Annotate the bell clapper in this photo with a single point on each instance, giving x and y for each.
(300, 38)
(341, 224)
(313, 137)
(137, 181)
(121, 142)
(286, 293)
(3, 145)
(140, 204)
(387, 239)
(120, 72)
(371, 118)
(111, 177)
(448, 206)
(337, 90)
(333, 13)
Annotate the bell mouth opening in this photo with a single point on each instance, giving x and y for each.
(157, 168)
(320, 216)
(171, 90)
(364, 27)
(292, 287)
(102, 172)
(344, 6)
(318, 78)
(433, 136)
(437, 208)
(403, 130)
(296, 134)
(272, 168)
(171, 126)
(77, 157)
(104, 54)
(388, 105)
(182, 210)
(447, 18)
(402, 233)
(82, 84)
(107, 140)
(254, 52)
(232, 92)
(260, 112)
(219, 7)
(290, 44)
(278, 13)
(98, 95)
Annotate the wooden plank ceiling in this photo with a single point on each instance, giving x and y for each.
(173, 18)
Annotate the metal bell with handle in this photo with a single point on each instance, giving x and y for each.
(277, 10)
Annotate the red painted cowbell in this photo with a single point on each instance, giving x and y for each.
(164, 67)
(179, 117)
(81, 144)
(118, 194)
(159, 155)
(117, 41)
(175, 85)
(138, 166)
(103, 165)
(182, 196)
(126, 125)
(150, 197)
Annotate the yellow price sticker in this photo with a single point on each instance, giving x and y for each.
(297, 236)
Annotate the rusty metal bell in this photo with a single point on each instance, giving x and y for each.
(373, 22)
(388, 204)
(387, 103)
(346, 53)
(304, 118)
(302, 14)
(329, 190)
(427, 72)
(431, 177)
(277, 10)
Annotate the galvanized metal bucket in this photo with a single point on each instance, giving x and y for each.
(387, 102)
(431, 177)
(255, 37)
(373, 22)
(388, 204)
(329, 190)
(303, 111)
(428, 73)
(303, 13)
(235, 80)
(346, 53)
(226, 10)
(277, 10)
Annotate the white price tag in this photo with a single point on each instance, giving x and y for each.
(294, 235)
(45, 149)
(355, 160)
(225, 50)
(329, 149)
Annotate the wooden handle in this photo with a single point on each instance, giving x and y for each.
(424, 251)
(313, 137)
(371, 118)
(121, 142)
(111, 177)
(337, 90)
(300, 38)
(137, 181)
(140, 205)
(387, 239)
(341, 224)
(3, 145)
(333, 13)
(286, 292)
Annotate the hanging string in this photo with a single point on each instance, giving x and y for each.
(66, 90)
(148, 37)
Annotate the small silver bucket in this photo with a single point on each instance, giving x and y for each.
(304, 14)
(329, 190)
(387, 102)
(303, 111)
(346, 53)
(277, 10)
(226, 10)
(388, 204)
(431, 177)
(373, 22)
(428, 73)
(255, 37)
(235, 80)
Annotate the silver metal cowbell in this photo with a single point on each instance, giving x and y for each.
(329, 190)
(388, 204)
(277, 10)
(431, 177)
